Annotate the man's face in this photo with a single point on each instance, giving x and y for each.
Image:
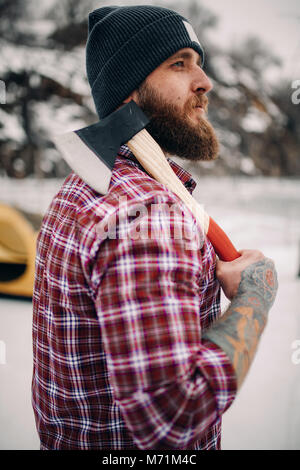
(174, 98)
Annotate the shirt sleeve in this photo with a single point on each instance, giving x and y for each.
(169, 384)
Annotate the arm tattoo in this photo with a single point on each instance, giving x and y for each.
(238, 331)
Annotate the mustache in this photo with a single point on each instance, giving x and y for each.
(198, 100)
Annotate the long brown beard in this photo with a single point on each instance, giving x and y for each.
(174, 131)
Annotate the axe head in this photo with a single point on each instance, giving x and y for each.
(91, 151)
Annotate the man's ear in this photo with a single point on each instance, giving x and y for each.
(133, 96)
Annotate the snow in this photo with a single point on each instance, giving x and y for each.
(65, 68)
(228, 138)
(247, 78)
(255, 120)
(247, 166)
(39, 28)
(230, 93)
(56, 117)
(11, 128)
(226, 72)
(265, 214)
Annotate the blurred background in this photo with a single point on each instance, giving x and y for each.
(252, 190)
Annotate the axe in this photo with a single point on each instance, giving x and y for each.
(91, 152)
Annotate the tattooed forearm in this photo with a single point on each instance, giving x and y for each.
(238, 331)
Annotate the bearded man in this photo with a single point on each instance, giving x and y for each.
(130, 348)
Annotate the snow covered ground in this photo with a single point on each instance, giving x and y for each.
(256, 213)
(265, 214)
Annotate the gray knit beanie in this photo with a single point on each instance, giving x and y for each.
(125, 44)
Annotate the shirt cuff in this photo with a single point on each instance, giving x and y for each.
(219, 373)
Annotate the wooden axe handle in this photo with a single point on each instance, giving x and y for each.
(149, 154)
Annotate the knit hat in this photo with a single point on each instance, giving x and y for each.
(125, 44)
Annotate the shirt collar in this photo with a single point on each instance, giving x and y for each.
(185, 177)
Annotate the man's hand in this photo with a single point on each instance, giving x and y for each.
(229, 273)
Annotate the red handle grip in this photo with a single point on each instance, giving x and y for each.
(221, 243)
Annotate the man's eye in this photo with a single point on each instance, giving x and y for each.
(180, 63)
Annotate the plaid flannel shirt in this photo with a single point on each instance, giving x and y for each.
(123, 291)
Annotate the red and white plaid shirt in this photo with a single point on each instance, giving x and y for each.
(119, 362)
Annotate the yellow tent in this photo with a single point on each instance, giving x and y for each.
(18, 233)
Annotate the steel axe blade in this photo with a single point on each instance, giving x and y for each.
(91, 151)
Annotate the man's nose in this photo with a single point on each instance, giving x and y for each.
(201, 82)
